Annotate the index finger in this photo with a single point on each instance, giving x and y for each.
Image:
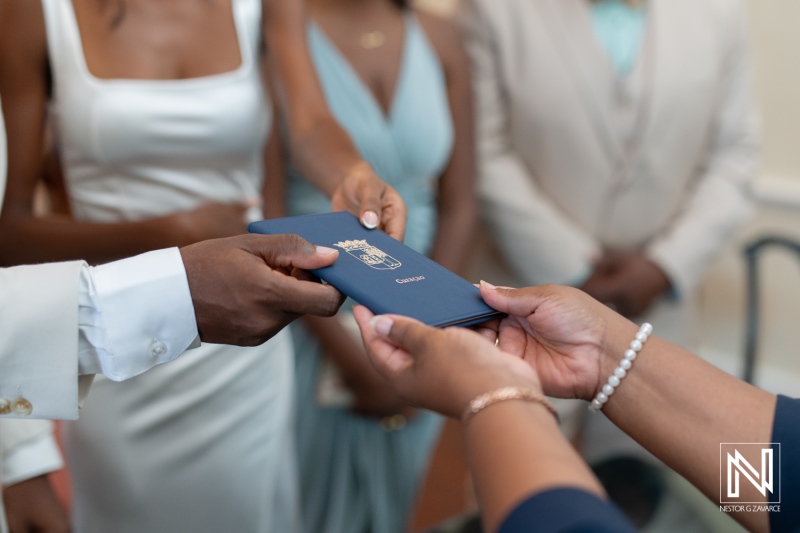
(290, 251)
(303, 297)
(394, 214)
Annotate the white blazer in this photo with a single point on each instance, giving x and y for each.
(563, 176)
(38, 332)
(39, 339)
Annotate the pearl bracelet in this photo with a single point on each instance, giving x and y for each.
(500, 395)
(622, 370)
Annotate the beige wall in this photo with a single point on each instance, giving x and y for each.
(776, 54)
(776, 47)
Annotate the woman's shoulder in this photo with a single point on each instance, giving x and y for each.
(444, 35)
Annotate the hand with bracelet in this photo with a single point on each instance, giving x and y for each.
(673, 403)
(461, 373)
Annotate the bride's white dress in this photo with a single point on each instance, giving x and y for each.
(202, 444)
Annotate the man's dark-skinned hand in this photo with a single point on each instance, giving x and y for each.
(628, 281)
(247, 288)
(32, 507)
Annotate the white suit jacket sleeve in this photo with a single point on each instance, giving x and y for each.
(39, 338)
(29, 449)
(62, 320)
(722, 198)
(539, 241)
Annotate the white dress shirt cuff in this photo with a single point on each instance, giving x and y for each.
(34, 458)
(134, 314)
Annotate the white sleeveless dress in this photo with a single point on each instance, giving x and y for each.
(202, 444)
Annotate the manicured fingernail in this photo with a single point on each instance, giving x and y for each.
(487, 285)
(324, 250)
(382, 325)
(370, 219)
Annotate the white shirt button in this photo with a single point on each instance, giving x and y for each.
(5, 406)
(22, 407)
(157, 348)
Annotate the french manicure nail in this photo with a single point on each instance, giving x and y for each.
(370, 219)
(324, 250)
(487, 285)
(374, 321)
(382, 325)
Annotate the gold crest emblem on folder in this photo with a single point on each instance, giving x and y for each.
(369, 255)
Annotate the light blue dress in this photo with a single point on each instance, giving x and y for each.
(355, 477)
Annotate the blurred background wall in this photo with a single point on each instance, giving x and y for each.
(775, 43)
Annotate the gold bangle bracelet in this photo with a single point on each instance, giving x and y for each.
(500, 395)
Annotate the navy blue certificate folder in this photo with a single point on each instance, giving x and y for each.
(384, 274)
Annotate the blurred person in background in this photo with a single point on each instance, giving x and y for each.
(617, 143)
(397, 81)
(161, 118)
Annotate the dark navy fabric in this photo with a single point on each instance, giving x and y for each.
(786, 431)
(576, 511)
(566, 511)
(387, 276)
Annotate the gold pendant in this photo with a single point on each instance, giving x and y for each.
(372, 40)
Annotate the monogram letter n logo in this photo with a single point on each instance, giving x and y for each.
(737, 471)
